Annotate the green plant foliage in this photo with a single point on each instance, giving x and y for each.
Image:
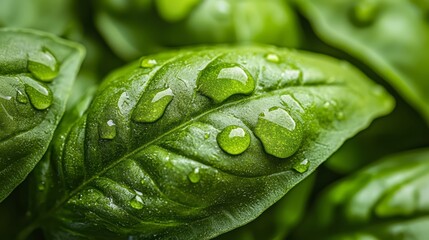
(389, 36)
(145, 160)
(387, 200)
(133, 28)
(37, 71)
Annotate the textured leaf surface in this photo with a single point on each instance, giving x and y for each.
(387, 200)
(36, 74)
(144, 160)
(132, 28)
(390, 36)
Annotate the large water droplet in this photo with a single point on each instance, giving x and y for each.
(43, 65)
(107, 130)
(279, 133)
(21, 97)
(148, 63)
(233, 139)
(194, 176)
(272, 57)
(40, 96)
(220, 81)
(152, 105)
(364, 12)
(302, 166)
(137, 202)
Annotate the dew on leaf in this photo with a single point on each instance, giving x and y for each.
(233, 140)
(43, 65)
(148, 63)
(152, 105)
(107, 130)
(137, 202)
(40, 96)
(194, 176)
(272, 57)
(21, 97)
(220, 81)
(302, 166)
(278, 132)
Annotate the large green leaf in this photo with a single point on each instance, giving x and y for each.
(132, 28)
(387, 200)
(37, 71)
(175, 145)
(392, 37)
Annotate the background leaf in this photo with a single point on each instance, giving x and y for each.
(37, 71)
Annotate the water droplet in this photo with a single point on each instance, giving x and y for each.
(148, 63)
(302, 166)
(340, 115)
(21, 97)
(206, 136)
(194, 176)
(40, 95)
(107, 130)
(220, 81)
(137, 202)
(152, 105)
(280, 135)
(233, 139)
(364, 12)
(43, 65)
(124, 104)
(272, 57)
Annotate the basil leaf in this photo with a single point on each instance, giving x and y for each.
(194, 143)
(278, 220)
(390, 36)
(36, 74)
(132, 28)
(384, 201)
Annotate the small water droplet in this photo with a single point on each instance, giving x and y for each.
(280, 135)
(43, 65)
(80, 196)
(302, 166)
(272, 57)
(152, 105)
(340, 115)
(124, 104)
(233, 140)
(107, 130)
(148, 63)
(220, 81)
(194, 176)
(21, 97)
(40, 96)
(364, 12)
(206, 136)
(137, 202)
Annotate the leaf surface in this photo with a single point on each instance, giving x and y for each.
(159, 155)
(37, 71)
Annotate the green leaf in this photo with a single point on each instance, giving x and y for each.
(37, 71)
(46, 15)
(133, 28)
(390, 36)
(145, 160)
(387, 200)
(277, 221)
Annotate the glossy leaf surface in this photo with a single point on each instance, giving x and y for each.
(37, 71)
(387, 200)
(112, 173)
(389, 36)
